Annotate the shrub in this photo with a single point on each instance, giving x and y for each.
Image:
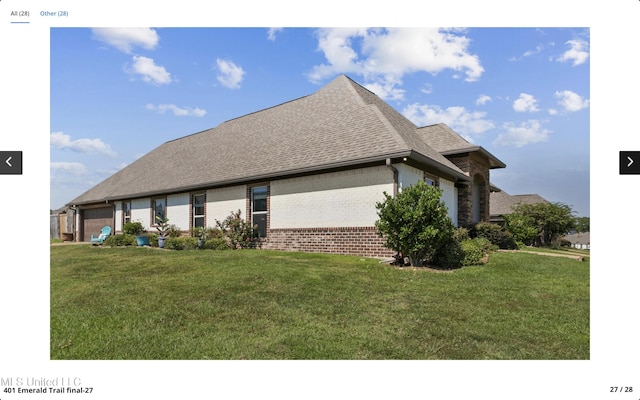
(474, 250)
(560, 244)
(495, 234)
(153, 239)
(415, 222)
(181, 243)
(237, 230)
(460, 234)
(217, 243)
(522, 227)
(174, 231)
(450, 255)
(123, 239)
(133, 228)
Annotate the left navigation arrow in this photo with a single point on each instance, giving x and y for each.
(11, 163)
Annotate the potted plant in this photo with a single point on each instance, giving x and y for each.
(136, 229)
(162, 226)
(202, 234)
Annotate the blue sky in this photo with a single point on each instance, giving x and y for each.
(523, 93)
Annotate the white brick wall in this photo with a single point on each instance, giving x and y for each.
(178, 210)
(339, 199)
(408, 175)
(118, 216)
(141, 211)
(221, 202)
(450, 197)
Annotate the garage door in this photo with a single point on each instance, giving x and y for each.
(94, 219)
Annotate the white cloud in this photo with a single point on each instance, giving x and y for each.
(230, 75)
(525, 103)
(271, 33)
(578, 52)
(150, 72)
(386, 89)
(88, 146)
(126, 39)
(522, 134)
(73, 168)
(538, 50)
(384, 56)
(482, 100)
(571, 101)
(457, 118)
(177, 111)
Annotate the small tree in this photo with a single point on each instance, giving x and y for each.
(415, 222)
(522, 227)
(582, 224)
(550, 219)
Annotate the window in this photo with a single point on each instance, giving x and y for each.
(431, 180)
(158, 210)
(259, 210)
(126, 212)
(198, 209)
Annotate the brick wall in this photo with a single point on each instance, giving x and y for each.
(362, 241)
(478, 169)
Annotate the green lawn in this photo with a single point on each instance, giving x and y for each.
(139, 303)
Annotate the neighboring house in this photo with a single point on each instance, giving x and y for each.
(580, 240)
(308, 173)
(502, 203)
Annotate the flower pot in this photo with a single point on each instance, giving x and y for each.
(142, 240)
(200, 243)
(161, 240)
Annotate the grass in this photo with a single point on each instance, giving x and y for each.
(138, 303)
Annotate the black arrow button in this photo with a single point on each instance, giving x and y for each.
(629, 162)
(10, 163)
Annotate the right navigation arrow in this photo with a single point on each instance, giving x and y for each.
(628, 166)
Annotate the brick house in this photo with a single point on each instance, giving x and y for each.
(307, 173)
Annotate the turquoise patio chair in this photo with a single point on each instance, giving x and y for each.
(104, 233)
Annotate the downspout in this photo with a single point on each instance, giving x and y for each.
(395, 176)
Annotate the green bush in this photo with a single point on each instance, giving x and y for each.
(474, 250)
(450, 255)
(133, 228)
(123, 239)
(153, 239)
(181, 243)
(495, 234)
(460, 234)
(217, 243)
(238, 231)
(174, 231)
(415, 223)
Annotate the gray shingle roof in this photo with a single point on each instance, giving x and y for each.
(501, 203)
(340, 125)
(446, 141)
(579, 238)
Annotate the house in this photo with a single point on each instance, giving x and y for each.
(502, 203)
(307, 173)
(579, 240)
